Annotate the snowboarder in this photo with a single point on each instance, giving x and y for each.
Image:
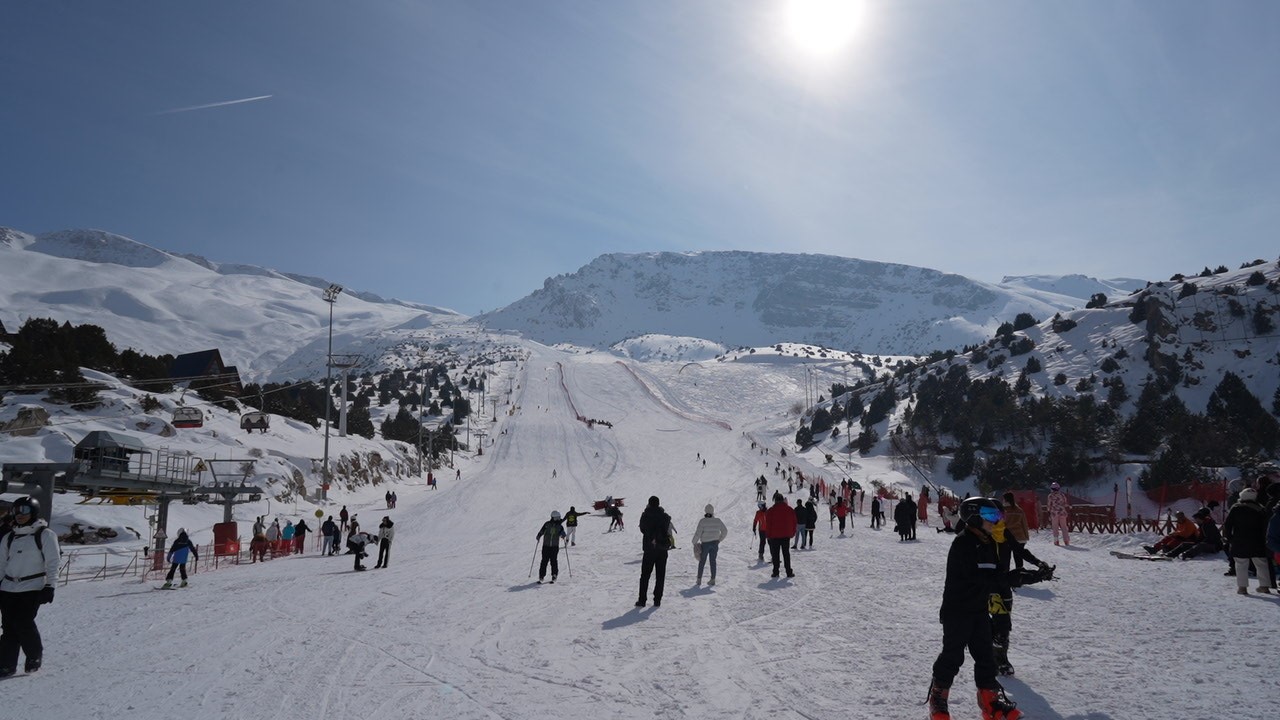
(356, 545)
(972, 567)
(550, 534)
(178, 558)
(386, 533)
(655, 533)
(706, 541)
(28, 565)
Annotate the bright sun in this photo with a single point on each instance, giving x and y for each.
(823, 28)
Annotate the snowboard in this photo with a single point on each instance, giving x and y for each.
(1134, 556)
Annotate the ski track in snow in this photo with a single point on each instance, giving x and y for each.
(452, 630)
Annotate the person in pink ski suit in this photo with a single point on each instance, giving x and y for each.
(1059, 507)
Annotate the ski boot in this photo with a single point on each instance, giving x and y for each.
(995, 705)
(33, 664)
(937, 702)
(168, 584)
(183, 584)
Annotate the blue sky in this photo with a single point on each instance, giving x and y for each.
(458, 153)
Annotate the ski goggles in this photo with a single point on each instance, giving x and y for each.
(990, 514)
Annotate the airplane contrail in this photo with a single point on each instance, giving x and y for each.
(213, 105)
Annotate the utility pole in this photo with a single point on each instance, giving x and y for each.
(331, 297)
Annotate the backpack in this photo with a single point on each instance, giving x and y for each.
(40, 542)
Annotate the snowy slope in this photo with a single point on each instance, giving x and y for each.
(453, 629)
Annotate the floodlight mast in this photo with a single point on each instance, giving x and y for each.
(331, 297)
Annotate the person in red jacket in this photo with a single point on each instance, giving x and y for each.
(757, 526)
(780, 524)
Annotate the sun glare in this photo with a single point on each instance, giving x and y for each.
(823, 28)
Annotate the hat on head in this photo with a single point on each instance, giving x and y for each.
(1202, 512)
(1248, 495)
(653, 500)
(708, 509)
(1055, 486)
(555, 514)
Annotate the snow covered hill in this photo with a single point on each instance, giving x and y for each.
(754, 299)
(157, 303)
(453, 630)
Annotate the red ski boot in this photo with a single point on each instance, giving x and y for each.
(938, 703)
(995, 705)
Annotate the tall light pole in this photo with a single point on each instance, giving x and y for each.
(331, 297)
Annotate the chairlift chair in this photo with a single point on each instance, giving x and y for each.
(188, 417)
(255, 420)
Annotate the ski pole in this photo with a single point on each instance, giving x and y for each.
(568, 565)
(533, 559)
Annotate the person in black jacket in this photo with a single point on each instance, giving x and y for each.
(972, 578)
(810, 521)
(655, 529)
(904, 518)
(550, 534)
(1246, 530)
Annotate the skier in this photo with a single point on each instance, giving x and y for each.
(258, 545)
(28, 565)
(178, 558)
(571, 526)
(387, 498)
(1209, 540)
(706, 541)
(273, 537)
(386, 533)
(615, 516)
(1017, 534)
(904, 517)
(840, 511)
(1059, 508)
(877, 517)
(550, 534)
(972, 566)
(758, 526)
(655, 533)
(761, 485)
(343, 515)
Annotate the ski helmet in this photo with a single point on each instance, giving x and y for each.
(974, 510)
(1055, 486)
(28, 506)
(555, 514)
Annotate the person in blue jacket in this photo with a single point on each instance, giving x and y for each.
(178, 558)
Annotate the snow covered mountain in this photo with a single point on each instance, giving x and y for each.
(157, 302)
(1075, 285)
(747, 298)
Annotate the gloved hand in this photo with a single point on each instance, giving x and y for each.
(46, 594)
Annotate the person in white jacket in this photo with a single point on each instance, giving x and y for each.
(28, 568)
(706, 541)
(386, 533)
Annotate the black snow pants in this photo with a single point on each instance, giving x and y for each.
(550, 556)
(18, 621)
